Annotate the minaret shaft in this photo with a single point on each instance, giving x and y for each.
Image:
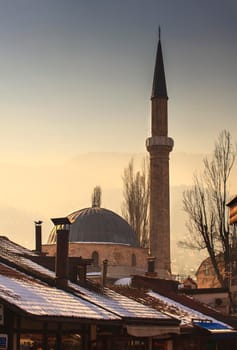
(160, 208)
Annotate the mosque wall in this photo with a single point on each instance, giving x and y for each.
(123, 260)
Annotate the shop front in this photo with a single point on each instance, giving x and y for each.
(25, 333)
(21, 332)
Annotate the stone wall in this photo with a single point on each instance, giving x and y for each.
(123, 260)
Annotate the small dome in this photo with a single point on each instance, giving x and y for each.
(98, 225)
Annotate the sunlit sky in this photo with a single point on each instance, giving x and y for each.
(76, 76)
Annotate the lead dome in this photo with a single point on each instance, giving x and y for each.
(98, 225)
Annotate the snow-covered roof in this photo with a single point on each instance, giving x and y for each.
(37, 298)
(176, 305)
(15, 254)
(120, 305)
(126, 281)
(12, 247)
(184, 313)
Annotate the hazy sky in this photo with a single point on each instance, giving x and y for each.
(76, 77)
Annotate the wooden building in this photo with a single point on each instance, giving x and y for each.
(201, 327)
(38, 313)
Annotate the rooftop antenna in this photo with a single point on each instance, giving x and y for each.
(159, 31)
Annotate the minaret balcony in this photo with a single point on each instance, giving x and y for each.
(160, 141)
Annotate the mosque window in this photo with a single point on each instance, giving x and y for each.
(95, 258)
(134, 260)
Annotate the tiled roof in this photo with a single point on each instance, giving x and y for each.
(121, 305)
(17, 287)
(37, 298)
(184, 313)
(19, 257)
(13, 248)
(197, 306)
(174, 305)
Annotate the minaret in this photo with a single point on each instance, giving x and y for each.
(159, 145)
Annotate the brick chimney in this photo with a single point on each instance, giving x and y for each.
(61, 261)
(104, 272)
(151, 267)
(38, 236)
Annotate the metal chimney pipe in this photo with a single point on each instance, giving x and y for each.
(62, 245)
(38, 236)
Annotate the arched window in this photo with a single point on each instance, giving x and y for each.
(134, 260)
(95, 258)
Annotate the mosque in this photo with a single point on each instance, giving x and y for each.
(103, 236)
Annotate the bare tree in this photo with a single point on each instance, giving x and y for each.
(96, 197)
(136, 198)
(205, 205)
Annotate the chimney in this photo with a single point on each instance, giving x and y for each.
(38, 236)
(151, 266)
(61, 261)
(104, 272)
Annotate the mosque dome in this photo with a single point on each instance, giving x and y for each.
(98, 225)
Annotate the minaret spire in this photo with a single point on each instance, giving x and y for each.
(159, 145)
(159, 83)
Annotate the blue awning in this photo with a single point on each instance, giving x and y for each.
(216, 329)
